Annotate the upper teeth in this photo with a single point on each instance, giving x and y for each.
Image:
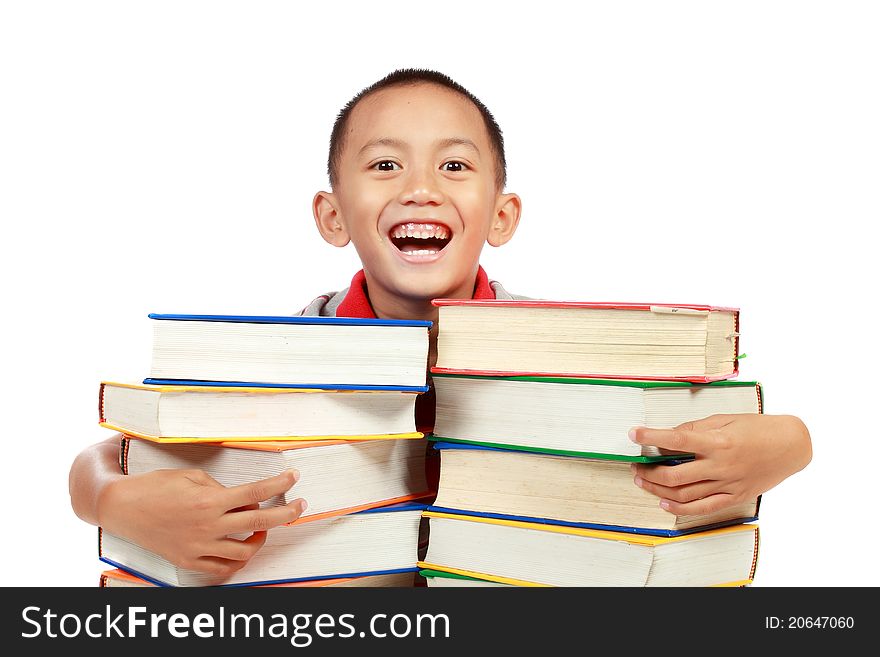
(420, 231)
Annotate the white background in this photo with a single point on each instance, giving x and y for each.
(162, 157)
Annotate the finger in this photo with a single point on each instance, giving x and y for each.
(237, 550)
(681, 494)
(711, 422)
(675, 475)
(263, 519)
(709, 504)
(259, 491)
(676, 440)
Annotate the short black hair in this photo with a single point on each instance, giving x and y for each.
(413, 76)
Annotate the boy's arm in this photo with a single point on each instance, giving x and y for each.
(738, 457)
(93, 469)
(183, 515)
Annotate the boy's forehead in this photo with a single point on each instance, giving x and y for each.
(415, 114)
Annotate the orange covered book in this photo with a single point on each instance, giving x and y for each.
(336, 476)
(116, 577)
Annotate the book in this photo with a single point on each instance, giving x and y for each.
(600, 340)
(532, 554)
(335, 476)
(566, 490)
(306, 351)
(377, 541)
(179, 413)
(439, 578)
(117, 577)
(576, 416)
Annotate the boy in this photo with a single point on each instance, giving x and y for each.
(417, 170)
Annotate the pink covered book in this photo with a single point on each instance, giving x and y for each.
(651, 341)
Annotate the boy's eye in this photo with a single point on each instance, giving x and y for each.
(454, 167)
(386, 165)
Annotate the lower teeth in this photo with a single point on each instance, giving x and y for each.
(420, 252)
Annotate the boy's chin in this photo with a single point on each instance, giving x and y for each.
(427, 287)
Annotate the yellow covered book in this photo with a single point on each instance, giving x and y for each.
(535, 554)
(213, 413)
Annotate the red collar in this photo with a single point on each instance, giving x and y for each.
(357, 301)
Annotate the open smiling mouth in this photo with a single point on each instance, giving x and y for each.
(420, 238)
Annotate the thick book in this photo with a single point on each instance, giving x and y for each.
(116, 578)
(181, 413)
(307, 351)
(601, 340)
(378, 541)
(565, 490)
(575, 416)
(335, 476)
(533, 554)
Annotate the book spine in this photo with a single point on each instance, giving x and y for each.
(755, 554)
(736, 343)
(101, 403)
(123, 454)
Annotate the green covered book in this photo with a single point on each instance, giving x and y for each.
(578, 417)
(442, 578)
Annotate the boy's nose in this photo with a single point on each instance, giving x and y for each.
(421, 188)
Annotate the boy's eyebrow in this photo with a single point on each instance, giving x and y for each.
(457, 141)
(382, 141)
(398, 143)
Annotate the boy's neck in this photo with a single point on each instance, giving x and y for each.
(389, 306)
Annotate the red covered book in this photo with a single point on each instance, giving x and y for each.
(685, 342)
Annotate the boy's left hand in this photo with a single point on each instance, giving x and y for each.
(738, 457)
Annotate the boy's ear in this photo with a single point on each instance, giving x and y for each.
(506, 219)
(328, 219)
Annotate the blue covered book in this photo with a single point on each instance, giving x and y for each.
(315, 352)
(378, 540)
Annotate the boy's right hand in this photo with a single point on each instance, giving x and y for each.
(186, 516)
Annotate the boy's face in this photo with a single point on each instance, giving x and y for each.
(416, 193)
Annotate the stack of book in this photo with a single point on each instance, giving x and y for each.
(246, 398)
(534, 403)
